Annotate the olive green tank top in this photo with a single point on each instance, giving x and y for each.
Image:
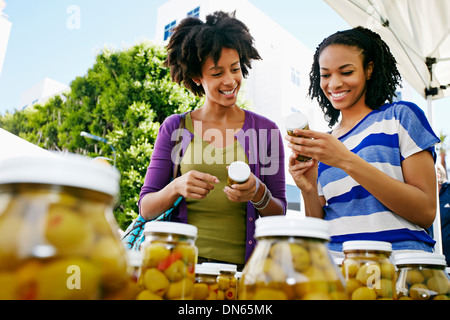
(221, 223)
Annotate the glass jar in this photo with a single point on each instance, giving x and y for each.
(58, 236)
(291, 262)
(422, 276)
(169, 259)
(206, 285)
(367, 270)
(226, 280)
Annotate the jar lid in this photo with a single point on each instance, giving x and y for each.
(207, 269)
(222, 266)
(295, 120)
(239, 171)
(292, 226)
(420, 258)
(367, 245)
(68, 170)
(171, 227)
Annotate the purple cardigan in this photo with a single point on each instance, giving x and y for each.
(259, 136)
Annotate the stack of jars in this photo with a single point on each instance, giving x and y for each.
(227, 281)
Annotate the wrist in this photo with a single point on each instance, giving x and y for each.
(264, 200)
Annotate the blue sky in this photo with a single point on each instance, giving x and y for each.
(42, 45)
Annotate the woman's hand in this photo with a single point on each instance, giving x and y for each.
(323, 147)
(195, 185)
(243, 192)
(304, 173)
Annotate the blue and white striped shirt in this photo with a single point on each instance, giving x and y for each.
(384, 138)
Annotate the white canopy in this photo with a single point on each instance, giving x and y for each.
(418, 34)
(11, 146)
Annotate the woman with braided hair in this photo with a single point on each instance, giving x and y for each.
(372, 177)
(211, 59)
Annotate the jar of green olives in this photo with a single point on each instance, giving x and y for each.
(368, 272)
(291, 261)
(58, 236)
(169, 257)
(422, 276)
(206, 285)
(226, 280)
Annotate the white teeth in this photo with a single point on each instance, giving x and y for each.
(229, 92)
(339, 95)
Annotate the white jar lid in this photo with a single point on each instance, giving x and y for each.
(420, 258)
(367, 245)
(239, 171)
(295, 120)
(292, 226)
(207, 269)
(64, 170)
(171, 227)
(222, 266)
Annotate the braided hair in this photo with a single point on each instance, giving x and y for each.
(385, 78)
(193, 41)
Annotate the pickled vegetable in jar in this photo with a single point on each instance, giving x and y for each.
(58, 236)
(227, 280)
(422, 276)
(291, 262)
(206, 285)
(367, 270)
(169, 259)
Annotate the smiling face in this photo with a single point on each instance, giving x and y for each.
(343, 77)
(222, 81)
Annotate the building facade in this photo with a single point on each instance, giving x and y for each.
(41, 92)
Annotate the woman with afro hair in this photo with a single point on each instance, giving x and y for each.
(211, 59)
(372, 177)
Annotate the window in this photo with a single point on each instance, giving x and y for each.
(194, 13)
(295, 77)
(168, 30)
